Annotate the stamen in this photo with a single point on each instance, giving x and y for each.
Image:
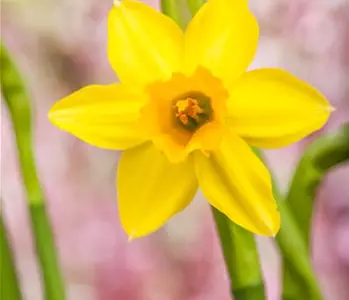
(183, 118)
(192, 110)
(188, 108)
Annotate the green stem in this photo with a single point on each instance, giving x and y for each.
(322, 155)
(47, 254)
(297, 268)
(172, 9)
(9, 284)
(241, 259)
(296, 263)
(194, 5)
(18, 103)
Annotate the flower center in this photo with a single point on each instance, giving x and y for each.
(185, 113)
(192, 110)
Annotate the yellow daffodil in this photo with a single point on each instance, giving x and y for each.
(185, 113)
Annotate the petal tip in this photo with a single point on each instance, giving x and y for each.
(271, 232)
(276, 226)
(117, 3)
(130, 238)
(331, 109)
(272, 227)
(51, 115)
(275, 232)
(54, 115)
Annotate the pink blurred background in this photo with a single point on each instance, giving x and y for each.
(60, 46)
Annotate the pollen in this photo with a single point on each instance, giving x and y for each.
(188, 108)
(192, 110)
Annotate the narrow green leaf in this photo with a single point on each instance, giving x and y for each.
(9, 284)
(47, 254)
(241, 259)
(18, 102)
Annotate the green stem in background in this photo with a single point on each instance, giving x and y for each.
(296, 265)
(9, 284)
(302, 282)
(18, 103)
(241, 259)
(325, 153)
(172, 8)
(47, 254)
(194, 5)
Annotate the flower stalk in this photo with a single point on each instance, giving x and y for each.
(297, 269)
(17, 101)
(301, 282)
(322, 155)
(325, 153)
(9, 284)
(241, 259)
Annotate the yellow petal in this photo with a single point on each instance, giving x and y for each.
(104, 116)
(222, 37)
(143, 44)
(151, 189)
(271, 108)
(236, 182)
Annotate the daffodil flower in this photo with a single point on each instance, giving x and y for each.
(185, 113)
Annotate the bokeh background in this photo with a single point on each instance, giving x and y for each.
(60, 46)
